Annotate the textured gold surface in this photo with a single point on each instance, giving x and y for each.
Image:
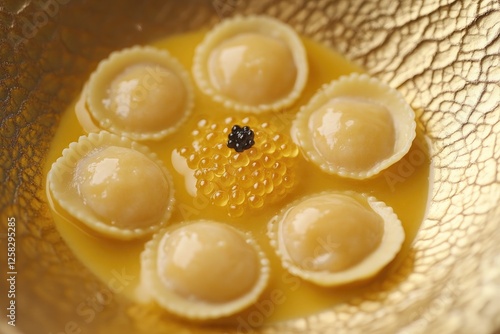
(442, 55)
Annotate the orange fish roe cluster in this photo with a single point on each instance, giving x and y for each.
(238, 181)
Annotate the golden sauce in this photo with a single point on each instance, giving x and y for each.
(404, 187)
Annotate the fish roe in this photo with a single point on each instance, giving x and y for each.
(246, 180)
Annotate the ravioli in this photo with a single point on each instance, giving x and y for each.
(142, 93)
(203, 269)
(335, 238)
(251, 64)
(355, 127)
(113, 185)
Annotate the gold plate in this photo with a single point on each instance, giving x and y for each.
(443, 56)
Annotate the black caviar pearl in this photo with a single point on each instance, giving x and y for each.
(240, 138)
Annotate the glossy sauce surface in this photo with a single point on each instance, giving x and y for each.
(404, 186)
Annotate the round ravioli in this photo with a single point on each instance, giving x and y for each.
(336, 238)
(251, 64)
(142, 93)
(355, 127)
(203, 270)
(113, 185)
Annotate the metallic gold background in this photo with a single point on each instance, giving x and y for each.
(442, 55)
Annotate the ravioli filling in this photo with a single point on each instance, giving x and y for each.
(146, 97)
(352, 134)
(252, 68)
(330, 233)
(210, 262)
(123, 187)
